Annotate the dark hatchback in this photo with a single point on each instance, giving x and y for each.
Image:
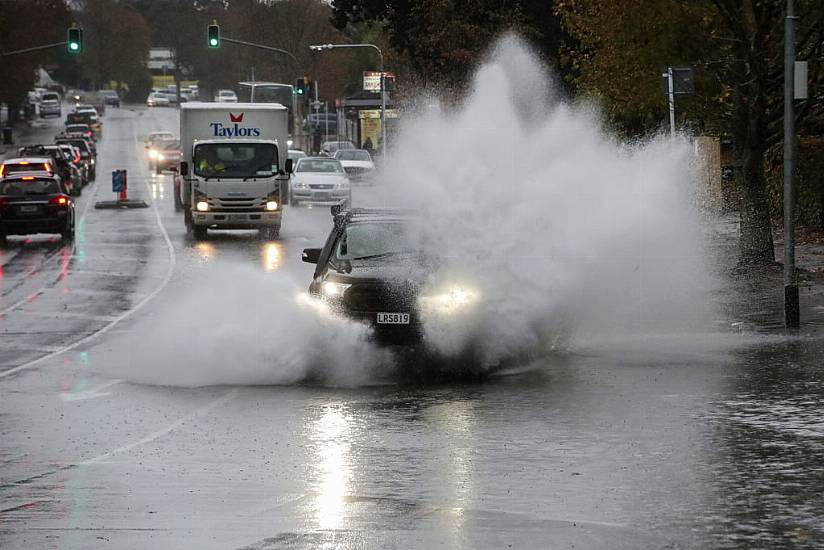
(35, 203)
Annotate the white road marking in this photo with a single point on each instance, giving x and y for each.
(161, 432)
(125, 314)
(91, 393)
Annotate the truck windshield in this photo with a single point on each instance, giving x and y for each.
(235, 160)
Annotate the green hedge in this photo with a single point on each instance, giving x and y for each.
(809, 182)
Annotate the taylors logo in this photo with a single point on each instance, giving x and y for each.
(234, 129)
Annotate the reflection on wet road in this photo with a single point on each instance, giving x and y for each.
(688, 443)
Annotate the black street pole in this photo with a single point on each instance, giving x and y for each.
(791, 305)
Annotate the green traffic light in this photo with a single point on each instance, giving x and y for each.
(74, 46)
(213, 35)
(74, 42)
(213, 42)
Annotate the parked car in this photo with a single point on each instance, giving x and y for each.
(35, 202)
(157, 100)
(50, 107)
(225, 96)
(319, 179)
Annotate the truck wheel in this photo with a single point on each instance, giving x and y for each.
(199, 232)
(178, 204)
(269, 233)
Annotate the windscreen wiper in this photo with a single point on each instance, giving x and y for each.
(384, 255)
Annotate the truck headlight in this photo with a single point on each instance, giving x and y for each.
(160, 156)
(271, 205)
(202, 206)
(451, 300)
(152, 153)
(332, 289)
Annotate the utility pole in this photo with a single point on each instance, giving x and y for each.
(671, 101)
(791, 305)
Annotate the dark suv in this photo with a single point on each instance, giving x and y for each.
(35, 202)
(371, 270)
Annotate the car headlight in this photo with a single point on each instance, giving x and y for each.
(299, 185)
(152, 154)
(160, 156)
(451, 300)
(202, 206)
(271, 205)
(332, 289)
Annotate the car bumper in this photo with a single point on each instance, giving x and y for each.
(35, 225)
(318, 195)
(239, 220)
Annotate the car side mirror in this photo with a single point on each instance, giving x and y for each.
(311, 255)
(184, 168)
(289, 166)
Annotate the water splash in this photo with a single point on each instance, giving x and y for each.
(563, 228)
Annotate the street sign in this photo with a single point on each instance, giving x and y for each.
(372, 80)
(683, 81)
(800, 80)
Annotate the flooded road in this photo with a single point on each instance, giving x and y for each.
(714, 441)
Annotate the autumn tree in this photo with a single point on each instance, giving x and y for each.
(443, 39)
(736, 47)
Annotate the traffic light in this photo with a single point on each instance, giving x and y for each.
(74, 43)
(214, 35)
(300, 86)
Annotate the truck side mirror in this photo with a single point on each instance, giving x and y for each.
(290, 166)
(311, 255)
(184, 168)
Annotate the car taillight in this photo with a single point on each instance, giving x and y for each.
(2, 169)
(62, 200)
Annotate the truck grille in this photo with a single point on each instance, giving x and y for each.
(236, 204)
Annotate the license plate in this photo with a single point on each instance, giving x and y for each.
(393, 318)
(237, 218)
(28, 208)
(322, 196)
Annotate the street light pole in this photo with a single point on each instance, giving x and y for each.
(791, 305)
(321, 47)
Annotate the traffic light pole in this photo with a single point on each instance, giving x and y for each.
(262, 47)
(321, 47)
(34, 49)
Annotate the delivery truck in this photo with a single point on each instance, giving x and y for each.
(234, 167)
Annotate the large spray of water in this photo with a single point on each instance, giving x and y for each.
(569, 236)
(565, 230)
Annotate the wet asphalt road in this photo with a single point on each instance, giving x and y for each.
(655, 445)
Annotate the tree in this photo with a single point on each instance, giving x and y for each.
(19, 30)
(442, 40)
(117, 42)
(737, 49)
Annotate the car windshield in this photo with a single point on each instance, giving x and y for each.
(353, 155)
(170, 145)
(329, 166)
(235, 160)
(161, 137)
(29, 187)
(372, 240)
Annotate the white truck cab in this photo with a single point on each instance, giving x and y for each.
(234, 166)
